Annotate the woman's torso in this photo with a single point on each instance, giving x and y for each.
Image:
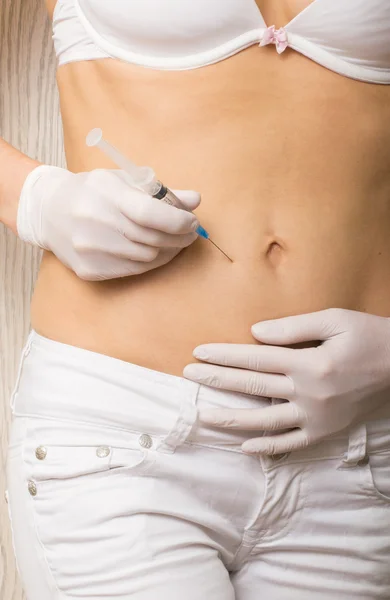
(293, 164)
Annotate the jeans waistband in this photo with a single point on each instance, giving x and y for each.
(59, 381)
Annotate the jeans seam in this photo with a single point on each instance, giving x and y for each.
(303, 461)
(212, 447)
(231, 566)
(263, 534)
(30, 500)
(10, 518)
(25, 351)
(244, 542)
(298, 510)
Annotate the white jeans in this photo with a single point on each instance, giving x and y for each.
(115, 491)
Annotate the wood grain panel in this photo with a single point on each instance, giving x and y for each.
(29, 119)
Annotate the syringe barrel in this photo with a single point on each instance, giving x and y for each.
(166, 195)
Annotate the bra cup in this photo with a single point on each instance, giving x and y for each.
(353, 30)
(170, 28)
(71, 41)
(349, 37)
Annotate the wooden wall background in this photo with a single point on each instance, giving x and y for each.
(29, 120)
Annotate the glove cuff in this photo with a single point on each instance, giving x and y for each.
(31, 202)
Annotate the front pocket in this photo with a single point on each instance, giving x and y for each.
(87, 488)
(47, 462)
(61, 450)
(377, 475)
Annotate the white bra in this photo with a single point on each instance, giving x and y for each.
(351, 37)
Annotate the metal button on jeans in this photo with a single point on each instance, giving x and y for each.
(145, 441)
(103, 451)
(41, 452)
(32, 488)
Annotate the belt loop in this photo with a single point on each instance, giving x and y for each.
(185, 421)
(25, 352)
(274, 459)
(357, 446)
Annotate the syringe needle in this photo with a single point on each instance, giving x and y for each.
(220, 249)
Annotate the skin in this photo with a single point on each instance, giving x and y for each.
(293, 164)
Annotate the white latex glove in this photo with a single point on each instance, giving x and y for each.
(328, 388)
(99, 226)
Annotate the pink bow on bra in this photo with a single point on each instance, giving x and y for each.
(275, 36)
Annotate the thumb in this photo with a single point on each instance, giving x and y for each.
(317, 326)
(189, 198)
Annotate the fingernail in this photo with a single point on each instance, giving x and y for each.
(200, 353)
(190, 372)
(208, 416)
(260, 328)
(248, 449)
(195, 225)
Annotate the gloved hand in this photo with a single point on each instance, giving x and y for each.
(99, 226)
(328, 388)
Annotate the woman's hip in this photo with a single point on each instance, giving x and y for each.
(107, 460)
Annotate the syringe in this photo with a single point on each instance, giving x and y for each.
(143, 178)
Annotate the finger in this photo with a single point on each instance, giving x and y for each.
(317, 326)
(125, 268)
(155, 214)
(272, 418)
(118, 249)
(189, 198)
(238, 380)
(269, 359)
(276, 444)
(151, 237)
(163, 257)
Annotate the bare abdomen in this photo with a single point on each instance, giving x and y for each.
(295, 185)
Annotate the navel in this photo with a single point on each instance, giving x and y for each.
(275, 253)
